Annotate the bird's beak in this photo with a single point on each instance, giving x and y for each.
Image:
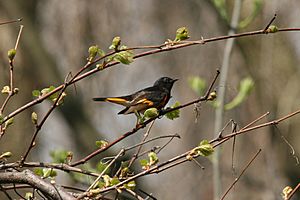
(174, 80)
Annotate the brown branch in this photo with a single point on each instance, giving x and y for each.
(12, 90)
(27, 177)
(243, 171)
(135, 156)
(11, 21)
(160, 48)
(60, 166)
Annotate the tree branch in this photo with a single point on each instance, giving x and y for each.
(27, 177)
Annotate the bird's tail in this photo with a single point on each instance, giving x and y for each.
(100, 98)
(118, 100)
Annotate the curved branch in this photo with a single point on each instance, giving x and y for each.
(27, 177)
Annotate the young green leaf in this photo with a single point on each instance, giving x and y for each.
(144, 162)
(204, 148)
(125, 57)
(59, 156)
(49, 173)
(93, 51)
(101, 143)
(182, 34)
(153, 159)
(174, 114)
(150, 113)
(11, 54)
(221, 8)
(101, 166)
(115, 43)
(257, 6)
(130, 185)
(38, 171)
(197, 84)
(246, 86)
(36, 93)
(114, 181)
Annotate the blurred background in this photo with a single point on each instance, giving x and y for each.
(55, 40)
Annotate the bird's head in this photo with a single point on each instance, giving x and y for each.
(165, 82)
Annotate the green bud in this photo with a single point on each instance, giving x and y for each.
(197, 84)
(272, 29)
(99, 66)
(101, 167)
(151, 112)
(5, 90)
(174, 114)
(11, 54)
(114, 181)
(36, 93)
(93, 51)
(125, 57)
(204, 148)
(34, 118)
(144, 162)
(212, 96)
(49, 173)
(101, 143)
(115, 43)
(182, 34)
(130, 185)
(6, 155)
(153, 159)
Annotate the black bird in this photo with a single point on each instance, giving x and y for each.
(156, 96)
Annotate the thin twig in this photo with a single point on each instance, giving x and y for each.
(135, 156)
(105, 169)
(238, 178)
(152, 139)
(19, 36)
(168, 142)
(148, 195)
(11, 21)
(134, 194)
(4, 191)
(272, 20)
(289, 145)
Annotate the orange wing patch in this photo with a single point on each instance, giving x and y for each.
(145, 101)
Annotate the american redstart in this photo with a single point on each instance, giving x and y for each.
(156, 96)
